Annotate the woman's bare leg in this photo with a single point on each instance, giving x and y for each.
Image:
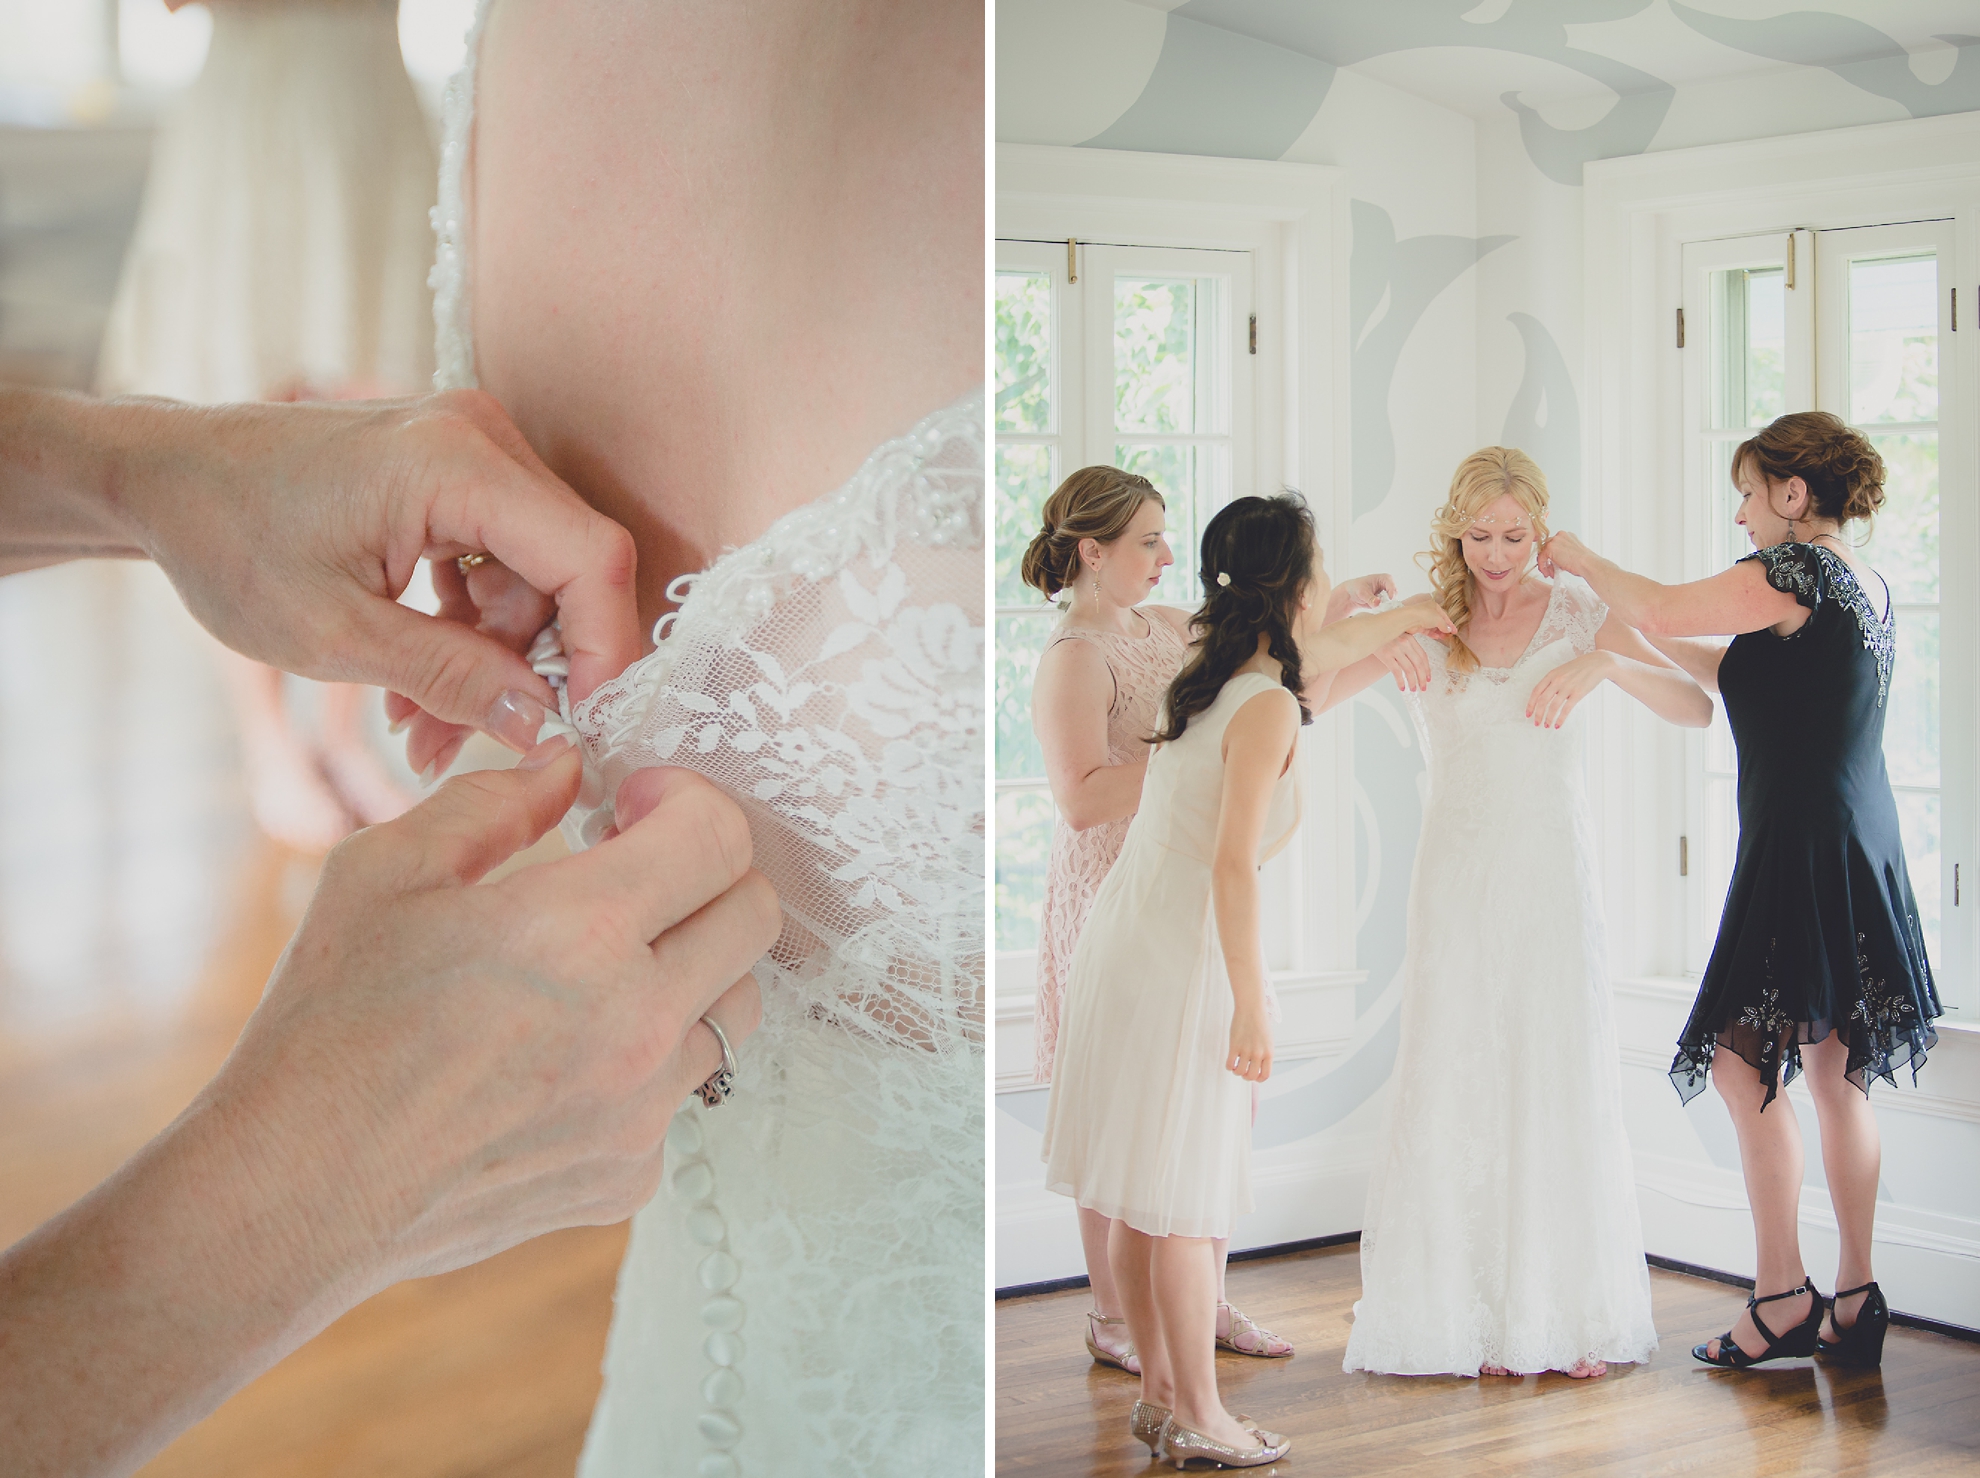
(1852, 1156)
(1094, 1234)
(1183, 1276)
(1770, 1157)
(1130, 1257)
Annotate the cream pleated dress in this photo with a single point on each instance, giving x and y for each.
(1145, 1124)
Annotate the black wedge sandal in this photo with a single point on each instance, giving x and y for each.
(1795, 1343)
(1862, 1343)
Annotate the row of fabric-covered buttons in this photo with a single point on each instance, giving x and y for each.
(693, 1185)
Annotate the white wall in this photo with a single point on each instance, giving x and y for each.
(1466, 318)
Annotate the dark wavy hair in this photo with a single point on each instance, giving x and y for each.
(1265, 546)
(1845, 476)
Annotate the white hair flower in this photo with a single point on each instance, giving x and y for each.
(1224, 577)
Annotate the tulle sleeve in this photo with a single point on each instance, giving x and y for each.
(1583, 611)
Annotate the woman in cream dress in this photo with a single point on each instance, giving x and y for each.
(1165, 1024)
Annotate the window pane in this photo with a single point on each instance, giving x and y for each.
(1894, 339)
(1918, 819)
(1749, 344)
(1026, 476)
(1194, 482)
(1024, 352)
(1911, 727)
(1024, 841)
(1904, 537)
(1020, 640)
(1168, 351)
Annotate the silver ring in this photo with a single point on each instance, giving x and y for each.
(721, 1083)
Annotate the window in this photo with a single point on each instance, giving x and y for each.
(1142, 362)
(1858, 334)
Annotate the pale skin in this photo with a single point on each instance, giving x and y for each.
(1732, 603)
(1070, 699)
(1166, 1283)
(436, 1070)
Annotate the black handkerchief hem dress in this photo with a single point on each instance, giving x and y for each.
(1820, 930)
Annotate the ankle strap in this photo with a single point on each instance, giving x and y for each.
(1852, 1292)
(1803, 1287)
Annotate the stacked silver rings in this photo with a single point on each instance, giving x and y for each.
(722, 1082)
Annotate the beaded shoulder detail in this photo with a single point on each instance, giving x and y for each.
(1812, 574)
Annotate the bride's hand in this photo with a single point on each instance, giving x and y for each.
(1554, 697)
(1250, 1054)
(1407, 662)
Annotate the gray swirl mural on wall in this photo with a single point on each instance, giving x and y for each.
(1855, 51)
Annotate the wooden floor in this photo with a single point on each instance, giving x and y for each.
(140, 914)
(1059, 1413)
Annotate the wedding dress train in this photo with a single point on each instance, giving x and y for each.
(806, 1294)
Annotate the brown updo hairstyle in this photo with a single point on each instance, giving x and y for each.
(1094, 503)
(1257, 561)
(1844, 474)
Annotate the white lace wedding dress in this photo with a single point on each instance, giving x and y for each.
(1501, 1226)
(806, 1295)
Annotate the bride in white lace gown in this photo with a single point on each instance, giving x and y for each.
(806, 1294)
(1501, 1232)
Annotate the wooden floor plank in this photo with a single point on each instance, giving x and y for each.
(1059, 1413)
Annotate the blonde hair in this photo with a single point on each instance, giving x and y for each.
(1486, 474)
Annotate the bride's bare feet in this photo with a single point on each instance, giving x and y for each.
(1586, 1370)
(1493, 1370)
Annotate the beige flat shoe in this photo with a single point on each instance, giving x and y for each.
(1247, 1338)
(1101, 1354)
(1182, 1446)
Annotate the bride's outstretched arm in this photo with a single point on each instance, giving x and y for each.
(1258, 745)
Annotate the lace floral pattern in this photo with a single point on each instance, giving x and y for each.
(1142, 668)
(1501, 1225)
(1811, 574)
(829, 677)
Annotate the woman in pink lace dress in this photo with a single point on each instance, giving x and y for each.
(1094, 703)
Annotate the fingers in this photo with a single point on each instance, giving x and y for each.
(474, 822)
(450, 670)
(738, 1010)
(687, 847)
(534, 524)
(721, 940)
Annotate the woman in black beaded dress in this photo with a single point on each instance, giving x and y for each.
(1819, 963)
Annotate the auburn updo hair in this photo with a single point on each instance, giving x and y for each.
(1257, 560)
(1094, 503)
(1844, 474)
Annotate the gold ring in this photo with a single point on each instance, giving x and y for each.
(467, 562)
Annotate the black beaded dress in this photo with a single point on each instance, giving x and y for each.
(1820, 931)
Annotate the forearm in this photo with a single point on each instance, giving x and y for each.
(131, 1315)
(1101, 795)
(1699, 659)
(1234, 903)
(1344, 643)
(1337, 686)
(1634, 599)
(64, 473)
(1669, 694)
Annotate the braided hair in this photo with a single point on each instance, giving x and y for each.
(1257, 561)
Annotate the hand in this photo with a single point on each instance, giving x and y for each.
(1422, 613)
(1563, 553)
(308, 522)
(1554, 697)
(1250, 1055)
(472, 1066)
(1359, 594)
(1407, 662)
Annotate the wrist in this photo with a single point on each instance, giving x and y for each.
(62, 467)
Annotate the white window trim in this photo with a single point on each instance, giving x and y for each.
(1637, 212)
(1293, 218)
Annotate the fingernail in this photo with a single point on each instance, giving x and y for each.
(430, 774)
(399, 725)
(515, 718)
(547, 753)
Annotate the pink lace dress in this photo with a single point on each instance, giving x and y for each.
(1142, 668)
